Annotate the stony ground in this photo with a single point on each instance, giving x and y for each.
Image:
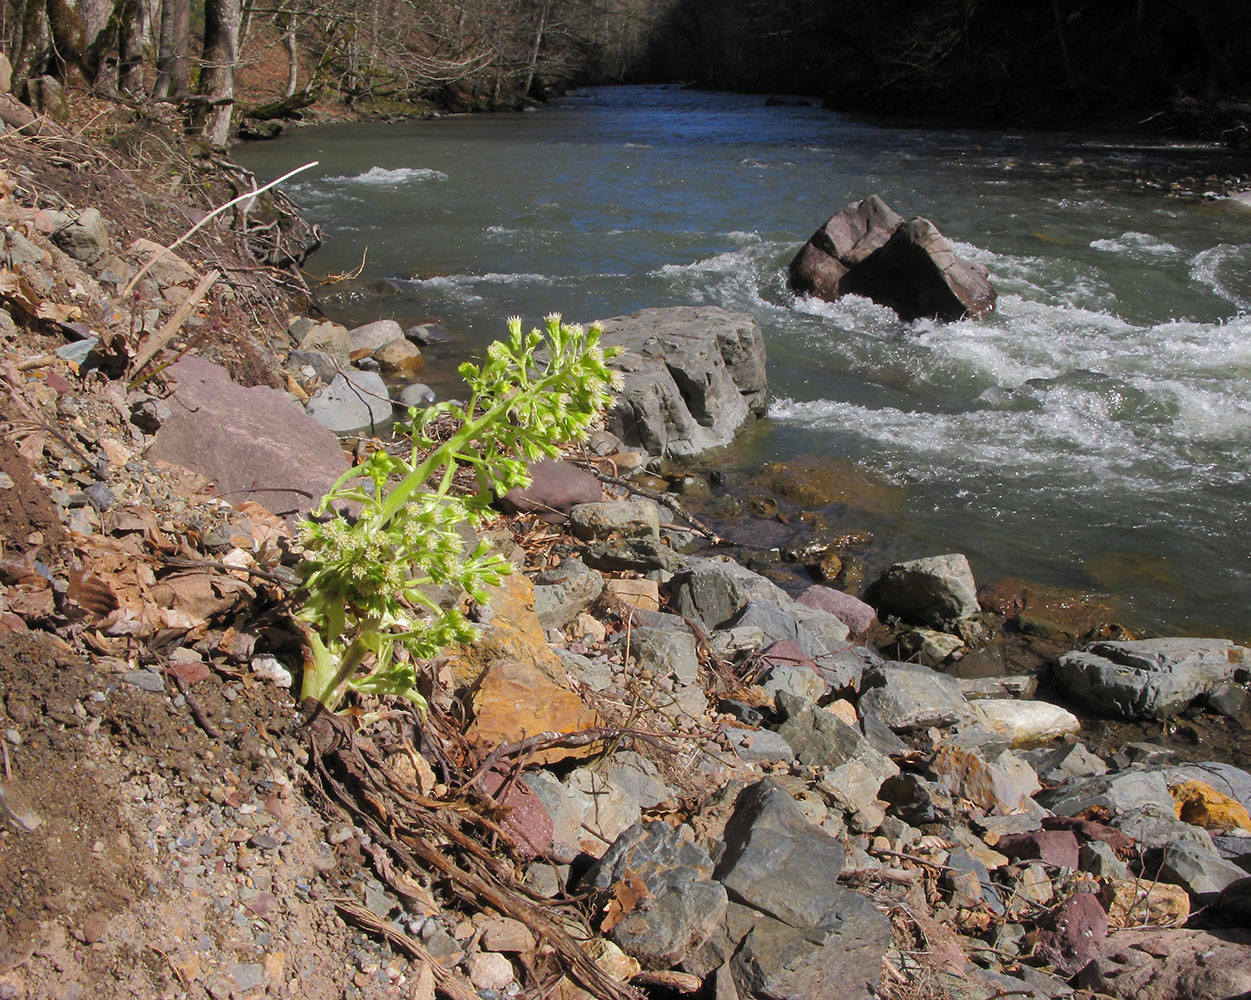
(172, 825)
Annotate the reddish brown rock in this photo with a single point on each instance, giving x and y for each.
(525, 817)
(252, 443)
(1053, 847)
(1072, 934)
(1088, 829)
(557, 488)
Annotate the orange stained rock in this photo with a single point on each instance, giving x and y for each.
(1199, 804)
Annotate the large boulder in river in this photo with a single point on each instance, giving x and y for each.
(868, 249)
(693, 375)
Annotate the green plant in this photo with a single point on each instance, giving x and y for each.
(369, 610)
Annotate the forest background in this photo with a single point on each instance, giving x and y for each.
(1153, 65)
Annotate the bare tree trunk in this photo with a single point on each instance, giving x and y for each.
(221, 55)
(293, 55)
(130, 48)
(172, 62)
(544, 7)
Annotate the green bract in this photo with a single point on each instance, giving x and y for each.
(369, 611)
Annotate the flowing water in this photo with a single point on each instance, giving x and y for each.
(1094, 432)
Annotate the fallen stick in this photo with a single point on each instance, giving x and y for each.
(173, 325)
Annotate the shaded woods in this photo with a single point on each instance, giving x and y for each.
(1168, 65)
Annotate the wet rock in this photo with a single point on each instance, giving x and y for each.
(867, 249)
(556, 488)
(562, 593)
(938, 591)
(1025, 722)
(692, 376)
(851, 611)
(678, 907)
(927, 646)
(399, 356)
(1072, 934)
(1201, 872)
(1148, 677)
(909, 696)
(254, 443)
(417, 395)
(352, 401)
(1156, 964)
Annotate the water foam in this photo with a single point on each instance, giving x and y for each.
(383, 177)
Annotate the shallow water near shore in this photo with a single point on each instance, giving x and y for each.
(1095, 432)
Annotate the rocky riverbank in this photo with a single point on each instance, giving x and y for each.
(656, 772)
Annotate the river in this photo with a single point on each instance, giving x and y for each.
(1094, 432)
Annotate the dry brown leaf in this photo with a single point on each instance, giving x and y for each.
(91, 593)
(266, 525)
(629, 893)
(56, 312)
(199, 594)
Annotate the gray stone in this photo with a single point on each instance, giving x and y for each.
(937, 592)
(664, 652)
(324, 365)
(594, 674)
(568, 807)
(775, 861)
(1149, 677)
(1235, 847)
(353, 401)
(83, 235)
(330, 338)
(1153, 825)
(609, 808)
(684, 904)
(638, 777)
(623, 518)
(417, 396)
(961, 863)
(563, 593)
(909, 696)
(916, 800)
(254, 443)
(1119, 793)
(756, 745)
(76, 352)
(783, 624)
(146, 680)
(1201, 872)
(1059, 764)
(838, 959)
(1101, 860)
(640, 555)
(373, 336)
(247, 975)
(692, 375)
(796, 679)
(1007, 686)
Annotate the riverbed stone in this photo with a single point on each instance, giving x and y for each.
(667, 902)
(329, 338)
(1152, 678)
(909, 696)
(638, 555)
(352, 401)
(937, 591)
(692, 376)
(399, 355)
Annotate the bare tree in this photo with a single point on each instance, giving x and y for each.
(173, 47)
(217, 73)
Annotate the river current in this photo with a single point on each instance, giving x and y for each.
(1094, 432)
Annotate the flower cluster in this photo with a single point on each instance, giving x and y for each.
(373, 583)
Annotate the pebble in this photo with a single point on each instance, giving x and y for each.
(146, 680)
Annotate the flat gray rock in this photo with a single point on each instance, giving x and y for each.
(909, 696)
(1152, 678)
(563, 593)
(353, 401)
